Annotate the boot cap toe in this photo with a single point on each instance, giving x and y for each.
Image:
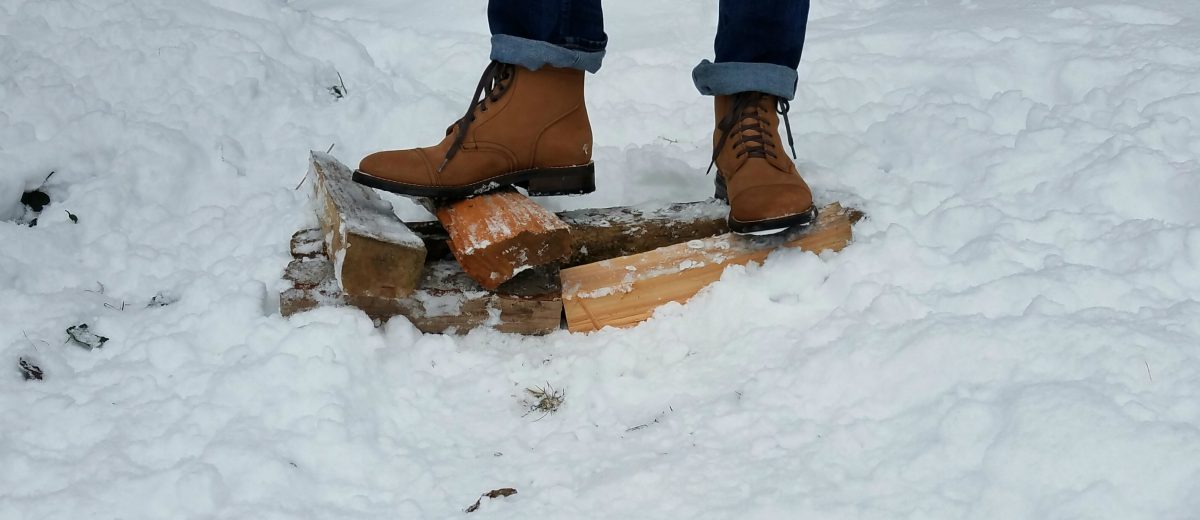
(770, 202)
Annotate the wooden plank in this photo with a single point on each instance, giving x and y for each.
(445, 301)
(600, 234)
(374, 253)
(497, 235)
(625, 291)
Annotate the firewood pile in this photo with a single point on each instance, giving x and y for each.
(500, 260)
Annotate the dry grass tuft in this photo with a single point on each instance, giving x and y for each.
(546, 399)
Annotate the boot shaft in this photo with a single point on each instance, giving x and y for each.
(541, 118)
(758, 119)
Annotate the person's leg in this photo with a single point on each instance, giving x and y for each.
(758, 48)
(556, 33)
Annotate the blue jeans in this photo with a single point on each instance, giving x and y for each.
(758, 43)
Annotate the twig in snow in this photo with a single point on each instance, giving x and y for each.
(495, 493)
(339, 91)
(31, 343)
(655, 421)
(1148, 374)
(304, 179)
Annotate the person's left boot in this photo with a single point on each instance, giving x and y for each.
(764, 190)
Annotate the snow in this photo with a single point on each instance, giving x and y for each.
(1012, 335)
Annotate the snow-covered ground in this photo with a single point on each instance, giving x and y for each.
(1015, 332)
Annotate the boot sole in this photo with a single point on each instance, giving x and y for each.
(771, 226)
(537, 182)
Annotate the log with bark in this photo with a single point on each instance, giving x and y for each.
(600, 234)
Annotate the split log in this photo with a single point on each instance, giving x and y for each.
(374, 253)
(445, 301)
(601, 234)
(497, 235)
(625, 291)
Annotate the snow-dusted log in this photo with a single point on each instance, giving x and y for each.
(625, 291)
(601, 234)
(374, 253)
(445, 300)
(497, 235)
(604, 233)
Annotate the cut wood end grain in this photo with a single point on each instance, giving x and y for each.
(363, 211)
(497, 235)
(375, 253)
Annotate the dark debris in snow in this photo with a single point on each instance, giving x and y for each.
(86, 338)
(35, 200)
(29, 370)
(495, 493)
(162, 299)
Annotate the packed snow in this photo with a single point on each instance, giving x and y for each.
(1014, 333)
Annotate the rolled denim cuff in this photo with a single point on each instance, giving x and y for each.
(722, 79)
(535, 54)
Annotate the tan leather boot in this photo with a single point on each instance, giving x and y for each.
(524, 128)
(765, 192)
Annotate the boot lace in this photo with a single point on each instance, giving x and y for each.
(492, 85)
(746, 119)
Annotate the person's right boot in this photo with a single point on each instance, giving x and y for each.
(764, 190)
(526, 128)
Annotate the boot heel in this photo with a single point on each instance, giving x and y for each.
(572, 180)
